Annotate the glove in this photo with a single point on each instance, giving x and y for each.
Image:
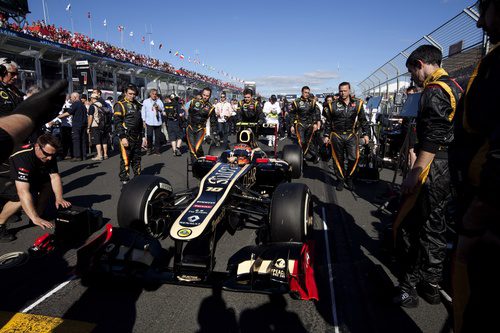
(44, 106)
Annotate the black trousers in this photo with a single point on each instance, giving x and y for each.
(66, 141)
(156, 131)
(194, 140)
(130, 158)
(305, 139)
(421, 237)
(344, 146)
(80, 138)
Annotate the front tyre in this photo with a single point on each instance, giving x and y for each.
(291, 213)
(293, 155)
(140, 203)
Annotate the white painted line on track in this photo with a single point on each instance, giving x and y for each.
(330, 273)
(47, 295)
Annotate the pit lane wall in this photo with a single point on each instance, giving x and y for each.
(46, 61)
(462, 44)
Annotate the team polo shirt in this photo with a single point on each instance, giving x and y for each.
(27, 168)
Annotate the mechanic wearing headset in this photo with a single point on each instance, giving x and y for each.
(199, 112)
(306, 118)
(10, 96)
(343, 120)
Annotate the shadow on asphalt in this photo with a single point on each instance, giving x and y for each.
(81, 182)
(154, 169)
(215, 316)
(361, 286)
(110, 306)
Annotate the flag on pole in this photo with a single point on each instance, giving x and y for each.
(159, 47)
(68, 7)
(176, 53)
(104, 23)
(88, 15)
(120, 28)
(143, 39)
(181, 56)
(131, 34)
(152, 43)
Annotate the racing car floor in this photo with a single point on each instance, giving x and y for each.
(354, 272)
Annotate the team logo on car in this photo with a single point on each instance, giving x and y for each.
(184, 232)
(193, 218)
(280, 263)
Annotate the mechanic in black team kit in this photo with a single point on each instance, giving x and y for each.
(129, 128)
(305, 117)
(344, 118)
(198, 114)
(10, 96)
(249, 110)
(34, 176)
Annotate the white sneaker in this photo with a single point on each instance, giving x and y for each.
(270, 144)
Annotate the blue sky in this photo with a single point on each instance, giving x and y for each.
(282, 45)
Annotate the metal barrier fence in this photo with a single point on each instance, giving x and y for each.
(461, 42)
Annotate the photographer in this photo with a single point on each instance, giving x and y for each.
(151, 113)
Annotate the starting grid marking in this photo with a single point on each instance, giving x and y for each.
(31, 323)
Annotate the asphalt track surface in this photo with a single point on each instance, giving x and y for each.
(354, 272)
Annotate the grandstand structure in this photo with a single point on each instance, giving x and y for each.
(44, 60)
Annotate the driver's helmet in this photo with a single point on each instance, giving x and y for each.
(243, 154)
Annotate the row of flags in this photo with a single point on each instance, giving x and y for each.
(178, 54)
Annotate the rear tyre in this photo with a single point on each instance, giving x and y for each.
(134, 206)
(291, 213)
(293, 155)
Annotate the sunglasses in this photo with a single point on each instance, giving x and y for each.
(47, 154)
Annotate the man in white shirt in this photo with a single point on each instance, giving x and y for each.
(272, 111)
(223, 111)
(151, 113)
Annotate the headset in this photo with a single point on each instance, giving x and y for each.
(3, 67)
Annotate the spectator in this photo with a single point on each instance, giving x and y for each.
(223, 111)
(78, 111)
(97, 128)
(272, 111)
(151, 113)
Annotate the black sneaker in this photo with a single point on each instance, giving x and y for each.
(349, 184)
(178, 152)
(340, 186)
(429, 292)
(316, 160)
(407, 299)
(5, 235)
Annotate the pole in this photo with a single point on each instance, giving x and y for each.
(44, 12)
(47, 9)
(90, 25)
(71, 19)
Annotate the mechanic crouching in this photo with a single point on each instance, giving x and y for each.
(343, 120)
(34, 177)
(306, 118)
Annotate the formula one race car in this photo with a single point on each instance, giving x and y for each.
(241, 188)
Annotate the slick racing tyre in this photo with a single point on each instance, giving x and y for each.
(291, 213)
(293, 155)
(139, 206)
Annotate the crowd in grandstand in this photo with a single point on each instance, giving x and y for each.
(80, 41)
